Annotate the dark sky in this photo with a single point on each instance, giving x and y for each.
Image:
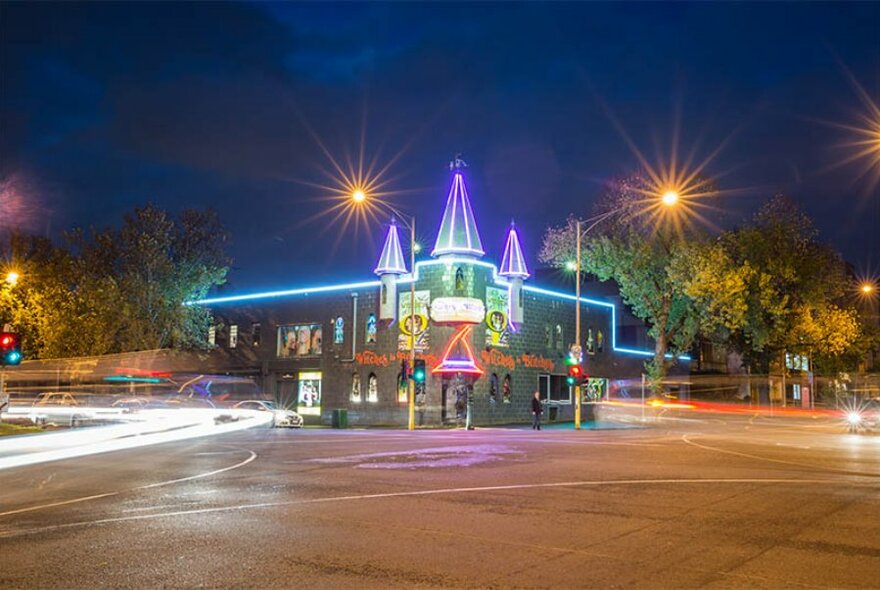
(106, 106)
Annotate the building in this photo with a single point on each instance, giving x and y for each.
(486, 332)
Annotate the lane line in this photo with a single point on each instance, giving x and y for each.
(686, 439)
(253, 456)
(434, 492)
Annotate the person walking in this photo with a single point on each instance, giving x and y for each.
(537, 410)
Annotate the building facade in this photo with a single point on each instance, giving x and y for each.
(488, 335)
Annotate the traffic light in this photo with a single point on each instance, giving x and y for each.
(419, 371)
(10, 348)
(575, 375)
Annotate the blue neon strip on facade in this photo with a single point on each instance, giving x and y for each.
(443, 261)
(286, 293)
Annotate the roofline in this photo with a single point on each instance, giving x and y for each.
(408, 278)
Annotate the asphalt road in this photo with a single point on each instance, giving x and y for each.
(694, 501)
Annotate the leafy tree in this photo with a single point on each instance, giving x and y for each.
(652, 260)
(115, 290)
(794, 288)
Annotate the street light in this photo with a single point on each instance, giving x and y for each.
(867, 288)
(12, 278)
(360, 198)
(669, 199)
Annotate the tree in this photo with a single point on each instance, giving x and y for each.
(794, 289)
(116, 290)
(651, 260)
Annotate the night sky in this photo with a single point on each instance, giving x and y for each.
(107, 106)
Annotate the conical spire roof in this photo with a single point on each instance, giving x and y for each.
(513, 264)
(458, 230)
(391, 260)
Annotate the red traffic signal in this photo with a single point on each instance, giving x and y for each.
(10, 348)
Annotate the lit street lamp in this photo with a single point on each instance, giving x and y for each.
(12, 278)
(360, 198)
(669, 199)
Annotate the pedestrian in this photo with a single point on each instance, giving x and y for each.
(537, 410)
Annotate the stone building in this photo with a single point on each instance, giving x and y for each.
(485, 331)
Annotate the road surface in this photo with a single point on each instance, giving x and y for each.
(694, 501)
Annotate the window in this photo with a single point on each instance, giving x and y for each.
(384, 294)
(372, 388)
(493, 388)
(459, 279)
(796, 391)
(591, 344)
(212, 335)
(338, 330)
(256, 334)
(299, 340)
(371, 328)
(402, 391)
(233, 336)
(559, 343)
(600, 341)
(548, 336)
(355, 388)
(505, 389)
(554, 388)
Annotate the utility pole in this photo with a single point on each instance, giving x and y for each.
(412, 324)
(577, 323)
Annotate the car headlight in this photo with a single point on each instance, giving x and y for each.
(854, 418)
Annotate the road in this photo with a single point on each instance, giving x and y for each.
(692, 501)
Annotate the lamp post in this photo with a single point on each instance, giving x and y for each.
(669, 199)
(359, 197)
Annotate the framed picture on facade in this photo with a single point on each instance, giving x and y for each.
(299, 340)
(497, 326)
(309, 393)
(405, 320)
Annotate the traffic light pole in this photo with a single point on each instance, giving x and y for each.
(577, 324)
(412, 325)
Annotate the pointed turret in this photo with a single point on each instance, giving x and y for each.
(513, 268)
(458, 231)
(390, 266)
(391, 261)
(512, 263)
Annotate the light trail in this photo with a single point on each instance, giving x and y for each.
(152, 427)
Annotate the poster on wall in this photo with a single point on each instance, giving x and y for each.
(299, 340)
(422, 329)
(309, 393)
(595, 389)
(497, 325)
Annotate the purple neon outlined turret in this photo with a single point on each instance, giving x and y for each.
(458, 230)
(513, 264)
(391, 260)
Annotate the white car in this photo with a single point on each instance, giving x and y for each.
(281, 419)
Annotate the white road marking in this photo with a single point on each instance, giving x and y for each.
(434, 492)
(253, 456)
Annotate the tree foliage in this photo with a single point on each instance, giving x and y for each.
(116, 289)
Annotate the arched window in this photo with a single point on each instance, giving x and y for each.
(384, 294)
(548, 336)
(356, 388)
(600, 341)
(493, 388)
(505, 389)
(372, 388)
(402, 390)
(338, 330)
(371, 329)
(459, 279)
(591, 344)
(559, 343)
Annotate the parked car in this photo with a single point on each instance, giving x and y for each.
(282, 418)
(55, 399)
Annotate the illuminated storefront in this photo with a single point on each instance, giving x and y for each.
(487, 335)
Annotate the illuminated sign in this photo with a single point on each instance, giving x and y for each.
(458, 310)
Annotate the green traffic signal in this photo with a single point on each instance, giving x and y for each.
(419, 371)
